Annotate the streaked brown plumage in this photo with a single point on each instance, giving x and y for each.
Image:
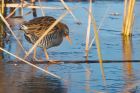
(36, 27)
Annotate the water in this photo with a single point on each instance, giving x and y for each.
(78, 77)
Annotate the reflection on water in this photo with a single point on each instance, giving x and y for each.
(25, 79)
(128, 68)
(88, 77)
(42, 85)
(127, 54)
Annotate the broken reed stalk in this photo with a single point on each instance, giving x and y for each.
(43, 14)
(128, 17)
(30, 63)
(46, 32)
(88, 28)
(6, 23)
(68, 9)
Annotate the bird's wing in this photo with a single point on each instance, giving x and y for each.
(39, 25)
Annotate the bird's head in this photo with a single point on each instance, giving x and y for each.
(27, 35)
(24, 28)
(66, 33)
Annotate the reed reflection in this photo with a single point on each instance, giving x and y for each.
(88, 78)
(127, 66)
(127, 54)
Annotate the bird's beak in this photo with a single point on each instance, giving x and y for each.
(68, 38)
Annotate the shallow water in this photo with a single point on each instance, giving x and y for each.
(114, 77)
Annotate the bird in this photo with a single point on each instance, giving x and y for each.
(35, 28)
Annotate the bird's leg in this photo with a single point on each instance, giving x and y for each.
(46, 54)
(34, 55)
(47, 57)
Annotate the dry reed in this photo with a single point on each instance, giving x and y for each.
(30, 63)
(2, 6)
(89, 25)
(91, 19)
(124, 17)
(6, 23)
(128, 17)
(98, 46)
(65, 5)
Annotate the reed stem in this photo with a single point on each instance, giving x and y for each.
(128, 17)
(98, 46)
(88, 28)
(2, 7)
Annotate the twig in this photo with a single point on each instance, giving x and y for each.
(30, 63)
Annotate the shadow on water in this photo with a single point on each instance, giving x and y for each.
(42, 85)
(127, 66)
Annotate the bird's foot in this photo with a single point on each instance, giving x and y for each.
(36, 59)
(55, 62)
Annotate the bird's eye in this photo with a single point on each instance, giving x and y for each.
(23, 27)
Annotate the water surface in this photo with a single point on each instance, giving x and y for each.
(118, 77)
